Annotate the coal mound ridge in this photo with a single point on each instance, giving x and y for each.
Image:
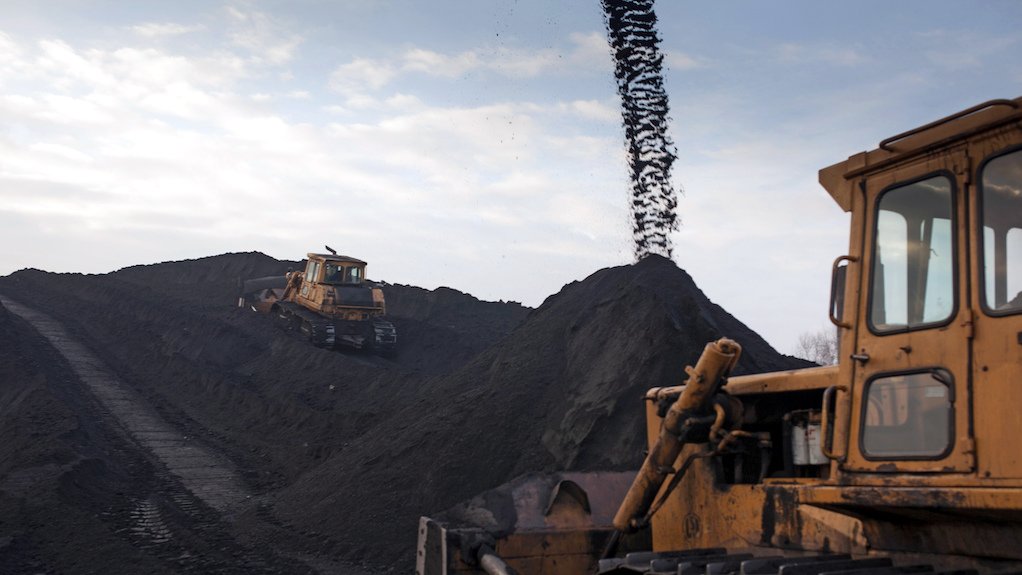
(562, 392)
(349, 449)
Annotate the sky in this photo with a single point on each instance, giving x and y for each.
(465, 143)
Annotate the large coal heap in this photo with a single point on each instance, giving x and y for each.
(346, 450)
(562, 392)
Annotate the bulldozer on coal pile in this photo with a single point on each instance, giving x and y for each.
(330, 303)
(899, 459)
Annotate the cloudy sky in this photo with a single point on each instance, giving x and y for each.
(468, 143)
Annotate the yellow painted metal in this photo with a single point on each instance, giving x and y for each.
(996, 346)
(309, 289)
(716, 362)
(963, 504)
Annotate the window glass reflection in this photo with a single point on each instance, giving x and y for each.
(1002, 233)
(913, 263)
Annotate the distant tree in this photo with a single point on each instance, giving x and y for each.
(819, 346)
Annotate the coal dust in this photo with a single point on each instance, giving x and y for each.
(631, 31)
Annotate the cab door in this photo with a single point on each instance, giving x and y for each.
(909, 397)
(997, 346)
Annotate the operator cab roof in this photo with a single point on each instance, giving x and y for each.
(336, 258)
(931, 138)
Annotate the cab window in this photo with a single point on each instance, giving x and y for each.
(913, 258)
(340, 274)
(1001, 201)
(334, 273)
(908, 416)
(310, 271)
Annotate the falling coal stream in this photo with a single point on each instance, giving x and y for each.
(631, 31)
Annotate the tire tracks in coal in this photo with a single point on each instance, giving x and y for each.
(176, 514)
(208, 476)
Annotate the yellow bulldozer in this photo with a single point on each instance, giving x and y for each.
(330, 303)
(899, 459)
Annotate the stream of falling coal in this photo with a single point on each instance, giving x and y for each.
(631, 30)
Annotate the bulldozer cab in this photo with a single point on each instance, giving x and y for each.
(931, 314)
(335, 270)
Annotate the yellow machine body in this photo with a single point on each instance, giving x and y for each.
(912, 436)
(321, 286)
(329, 302)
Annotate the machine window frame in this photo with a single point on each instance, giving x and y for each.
(981, 248)
(954, 255)
(312, 271)
(864, 413)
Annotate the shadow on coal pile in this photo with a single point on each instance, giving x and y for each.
(348, 450)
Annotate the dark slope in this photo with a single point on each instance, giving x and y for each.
(561, 392)
(349, 449)
(443, 329)
(174, 331)
(208, 281)
(61, 476)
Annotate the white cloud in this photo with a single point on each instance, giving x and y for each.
(361, 73)
(11, 58)
(590, 49)
(164, 29)
(595, 110)
(675, 60)
(434, 63)
(258, 33)
(585, 53)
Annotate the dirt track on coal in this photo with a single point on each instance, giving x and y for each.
(150, 425)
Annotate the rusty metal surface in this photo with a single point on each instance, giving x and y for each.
(538, 523)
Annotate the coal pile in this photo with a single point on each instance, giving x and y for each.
(346, 450)
(63, 479)
(562, 392)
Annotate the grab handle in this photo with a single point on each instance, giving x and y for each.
(825, 439)
(885, 145)
(837, 283)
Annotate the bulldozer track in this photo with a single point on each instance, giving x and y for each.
(377, 335)
(719, 561)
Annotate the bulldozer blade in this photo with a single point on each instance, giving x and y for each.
(537, 523)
